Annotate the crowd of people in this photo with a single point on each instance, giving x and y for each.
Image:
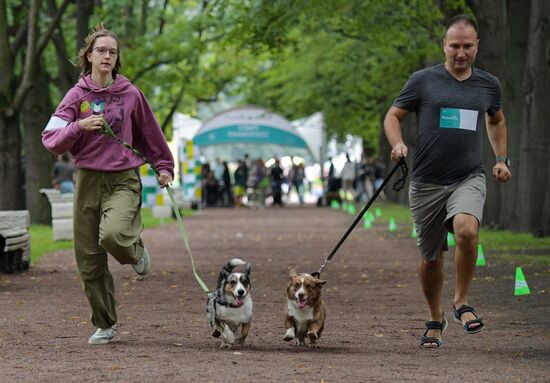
(251, 181)
(356, 181)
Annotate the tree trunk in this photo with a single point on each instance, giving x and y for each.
(533, 169)
(491, 21)
(67, 72)
(35, 115)
(84, 9)
(514, 40)
(11, 197)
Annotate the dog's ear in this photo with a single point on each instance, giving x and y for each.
(292, 273)
(247, 270)
(320, 282)
(224, 273)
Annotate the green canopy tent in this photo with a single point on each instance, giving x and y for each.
(249, 129)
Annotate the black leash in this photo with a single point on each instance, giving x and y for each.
(397, 186)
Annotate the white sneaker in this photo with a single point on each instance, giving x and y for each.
(102, 336)
(143, 266)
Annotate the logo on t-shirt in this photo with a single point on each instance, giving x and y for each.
(98, 106)
(84, 106)
(458, 118)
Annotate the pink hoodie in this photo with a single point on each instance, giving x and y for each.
(128, 113)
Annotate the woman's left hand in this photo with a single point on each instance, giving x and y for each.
(164, 179)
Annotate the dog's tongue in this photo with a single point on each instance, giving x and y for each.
(301, 303)
(239, 300)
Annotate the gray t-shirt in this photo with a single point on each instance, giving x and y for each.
(450, 122)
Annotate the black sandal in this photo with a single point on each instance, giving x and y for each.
(457, 313)
(433, 325)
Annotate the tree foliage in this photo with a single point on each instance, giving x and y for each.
(345, 58)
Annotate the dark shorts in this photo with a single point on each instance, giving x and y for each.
(434, 206)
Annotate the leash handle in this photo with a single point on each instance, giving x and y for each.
(398, 186)
(109, 132)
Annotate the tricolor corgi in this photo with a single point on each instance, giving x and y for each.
(229, 308)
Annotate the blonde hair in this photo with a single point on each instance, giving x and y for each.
(83, 63)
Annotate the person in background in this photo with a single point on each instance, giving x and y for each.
(218, 170)
(107, 200)
(277, 179)
(379, 174)
(296, 177)
(227, 193)
(241, 179)
(365, 176)
(348, 179)
(63, 173)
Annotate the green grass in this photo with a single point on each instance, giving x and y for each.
(42, 241)
(505, 245)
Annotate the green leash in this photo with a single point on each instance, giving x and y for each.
(106, 130)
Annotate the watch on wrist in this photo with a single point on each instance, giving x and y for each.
(506, 160)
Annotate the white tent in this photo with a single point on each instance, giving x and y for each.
(253, 130)
(312, 130)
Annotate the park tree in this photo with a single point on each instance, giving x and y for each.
(515, 46)
(349, 59)
(344, 58)
(22, 42)
(172, 50)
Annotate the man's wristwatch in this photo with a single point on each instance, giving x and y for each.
(506, 160)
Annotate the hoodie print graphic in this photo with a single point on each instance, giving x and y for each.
(113, 111)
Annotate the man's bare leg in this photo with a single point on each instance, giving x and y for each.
(431, 277)
(466, 234)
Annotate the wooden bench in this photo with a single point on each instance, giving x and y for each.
(15, 241)
(62, 213)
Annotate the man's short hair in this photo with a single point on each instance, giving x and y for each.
(461, 19)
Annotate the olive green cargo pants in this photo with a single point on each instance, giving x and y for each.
(106, 219)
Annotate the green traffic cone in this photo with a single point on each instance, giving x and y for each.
(451, 239)
(367, 224)
(521, 284)
(351, 209)
(344, 206)
(378, 212)
(392, 226)
(480, 257)
(334, 204)
(413, 231)
(371, 216)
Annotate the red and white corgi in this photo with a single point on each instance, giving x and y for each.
(305, 315)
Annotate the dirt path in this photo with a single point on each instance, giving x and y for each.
(376, 311)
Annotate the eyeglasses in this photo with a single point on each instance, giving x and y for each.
(103, 51)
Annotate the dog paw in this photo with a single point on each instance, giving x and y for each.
(312, 336)
(240, 340)
(313, 345)
(289, 335)
(225, 345)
